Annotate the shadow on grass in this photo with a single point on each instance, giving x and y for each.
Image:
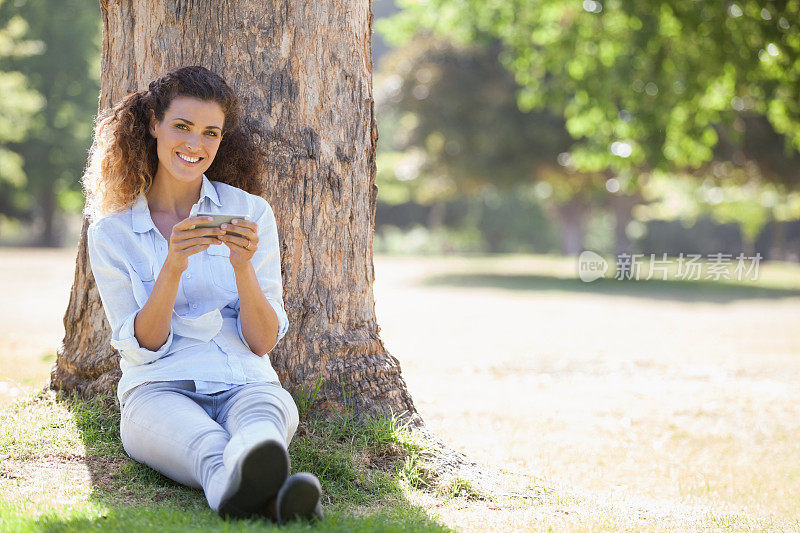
(359, 466)
(677, 290)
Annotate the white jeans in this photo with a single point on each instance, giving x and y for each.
(195, 439)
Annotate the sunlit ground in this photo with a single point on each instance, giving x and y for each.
(670, 396)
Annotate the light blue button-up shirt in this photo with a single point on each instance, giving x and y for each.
(205, 342)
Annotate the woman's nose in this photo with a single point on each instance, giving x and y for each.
(193, 142)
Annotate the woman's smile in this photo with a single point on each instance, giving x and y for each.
(189, 160)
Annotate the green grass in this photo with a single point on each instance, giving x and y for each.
(361, 465)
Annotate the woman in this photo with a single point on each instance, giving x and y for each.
(194, 311)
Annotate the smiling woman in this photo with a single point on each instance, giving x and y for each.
(193, 144)
(125, 157)
(200, 401)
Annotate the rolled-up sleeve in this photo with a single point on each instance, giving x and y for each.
(115, 284)
(266, 262)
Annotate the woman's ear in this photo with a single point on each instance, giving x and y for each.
(152, 126)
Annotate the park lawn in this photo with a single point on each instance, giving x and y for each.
(647, 406)
(62, 468)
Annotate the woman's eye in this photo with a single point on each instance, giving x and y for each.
(181, 126)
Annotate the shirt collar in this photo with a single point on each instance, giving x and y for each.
(142, 222)
(208, 190)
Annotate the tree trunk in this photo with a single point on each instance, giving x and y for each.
(304, 71)
(777, 249)
(622, 206)
(46, 199)
(436, 215)
(573, 215)
(748, 245)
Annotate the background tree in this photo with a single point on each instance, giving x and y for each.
(304, 74)
(457, 127)
(757, 166)
(643, 87)
(751, 182)
(654, 77)
(54, 152)
(18, 107)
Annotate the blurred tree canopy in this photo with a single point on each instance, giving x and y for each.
(449, 115)
(463, 111)
(17, 108)
(64, 71)
(647, 91)
(640, 84)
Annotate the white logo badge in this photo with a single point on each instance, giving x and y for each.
(591, 266)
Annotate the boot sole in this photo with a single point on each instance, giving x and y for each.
(259, 477)
(300, 498)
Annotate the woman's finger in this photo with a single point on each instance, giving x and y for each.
(245, 223)
(194, 249)
(189, 222)
(199, 232)
(187, 243)
(238, 241)
(248, 232)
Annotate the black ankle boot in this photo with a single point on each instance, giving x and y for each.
(256, 478)
(299, 498)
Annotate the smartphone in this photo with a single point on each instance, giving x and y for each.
(219, 219)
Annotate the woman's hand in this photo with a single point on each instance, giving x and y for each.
(184, 241)
(243, 245)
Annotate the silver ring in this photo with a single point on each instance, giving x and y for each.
(248, 244)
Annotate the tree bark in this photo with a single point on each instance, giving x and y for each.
(46, 198)
(574, 215)
(436, 215)
(777, 249)
(622, 206)
(303, 71)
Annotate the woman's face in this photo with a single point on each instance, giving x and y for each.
(188, 138)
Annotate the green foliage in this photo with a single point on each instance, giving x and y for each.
(17, 109)
(511, 220)
(459, 487)
(643, 88)
(730, 194)
(455, 120)
(30, 429)
(397, 177)
(421, 240)
(62, 80)
(170, 517)
(640, 84)
(455, 128)
(98, 426)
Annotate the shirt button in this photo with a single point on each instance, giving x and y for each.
(188, 276)
(194, 306)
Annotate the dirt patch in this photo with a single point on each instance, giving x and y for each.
(67, 480)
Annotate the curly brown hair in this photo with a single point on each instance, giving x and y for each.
(123, 158)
